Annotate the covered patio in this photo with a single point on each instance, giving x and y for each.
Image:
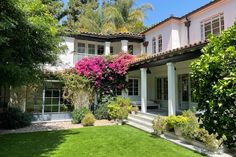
(161, 83)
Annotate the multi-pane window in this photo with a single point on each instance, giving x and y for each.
(131, 49)
(165, 80)
(100, 50)
(133, 87)
(214, 25)
(81, 48)
(154, 45)
(160, 43)
(159, 89)
(91, 49)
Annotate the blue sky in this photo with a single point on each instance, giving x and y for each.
(164, 8)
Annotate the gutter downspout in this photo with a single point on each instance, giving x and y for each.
(187, 23)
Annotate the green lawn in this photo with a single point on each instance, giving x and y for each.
(108, 141)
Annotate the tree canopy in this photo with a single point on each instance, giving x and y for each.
(28, 39)
(214, 83)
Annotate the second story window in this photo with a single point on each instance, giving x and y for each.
(131, 49)
(100, 50)
(214, 25)
(160, 43)
(154, 45)
(91, 49)
(81, 48)
(111, 50)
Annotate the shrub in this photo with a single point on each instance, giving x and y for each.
(78, 114)
(102, 112)
(176, 121)
(14, 118)
(159, 124)
(214, 84)
(119, 108)
(88, 120)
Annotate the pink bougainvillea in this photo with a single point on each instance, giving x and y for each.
(107, 75)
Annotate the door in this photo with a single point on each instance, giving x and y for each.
(184, 91)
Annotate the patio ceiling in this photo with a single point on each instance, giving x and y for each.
(187, 52)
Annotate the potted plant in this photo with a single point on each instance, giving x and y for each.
(134, 110)
(159, 125)
(179, 123)
(122, 114)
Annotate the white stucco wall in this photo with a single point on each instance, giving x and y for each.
(174, 32)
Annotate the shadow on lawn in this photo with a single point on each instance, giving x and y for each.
(38, 144)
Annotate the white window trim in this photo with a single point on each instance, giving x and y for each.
(210, 19)
(133, 86)
(160, 48)
(154, 47)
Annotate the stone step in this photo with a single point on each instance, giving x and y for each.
(141, 127)
(148, 115)
(140, 121)
(140, 117)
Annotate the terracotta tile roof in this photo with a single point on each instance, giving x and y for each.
(112, 35)
(170, 53)
(184, 16)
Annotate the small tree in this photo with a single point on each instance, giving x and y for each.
(214, 83)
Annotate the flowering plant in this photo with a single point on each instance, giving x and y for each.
(107, 75)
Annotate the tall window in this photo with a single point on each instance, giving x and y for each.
(154, 45)
(81, 48)
(159, 89)
(91, 49)
(133, 87)
(100, 50)
(111, 50)
(165, 88)
(160, 43)
(214, 25)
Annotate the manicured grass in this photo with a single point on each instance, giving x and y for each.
(106, 141)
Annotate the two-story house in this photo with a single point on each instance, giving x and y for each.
(162, 78)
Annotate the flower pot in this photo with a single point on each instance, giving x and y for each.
(133, 112)
(178, 131)
(158, 132)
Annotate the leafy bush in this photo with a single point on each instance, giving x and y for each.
(191, 126)
(14, 118)
(159, 124)
(102, 112)
(119, 108)
(88, 120)
(78, 114)
(214, 84)
(176, 121)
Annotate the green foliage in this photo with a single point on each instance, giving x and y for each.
(79, 114)
(14, 118)
(159, 124)
(77, 89)
(88, 120)
(28, 38)
(176, 121)
(102, 111)
(119, 108)
(214, 83)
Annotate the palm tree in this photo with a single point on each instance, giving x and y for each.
(113, 16)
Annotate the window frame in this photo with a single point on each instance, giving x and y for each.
(154, 45)
(133, 91)
(160, 43)
(210, 22)
(81, 50)
(93, 48)
(100, 47)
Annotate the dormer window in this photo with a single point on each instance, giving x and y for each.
(160, 43)
(154, 45)
(213, 25)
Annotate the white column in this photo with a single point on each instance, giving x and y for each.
(142, 48)
(124, 45)
(171, 89)
(143, 90)
(107, 48)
